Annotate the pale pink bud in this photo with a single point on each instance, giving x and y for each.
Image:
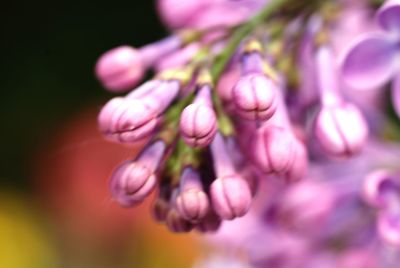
(145, 90)
(177, 13)
(135, 180)
(198, 122)
(305, 206)
(231, 197)
(230, 193)
(273, 149)
(254, 96)
(175, 222)
(389, 227)
(120, 69)
(376, 186)
(341, 129)
(226, 83)
(299, 166)
(178, 58)
(135, 117)
(152, 53)
(191, 202)
(126, 120)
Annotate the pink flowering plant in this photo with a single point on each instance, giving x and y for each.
(265, 127)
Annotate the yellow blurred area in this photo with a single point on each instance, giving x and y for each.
(24, 242)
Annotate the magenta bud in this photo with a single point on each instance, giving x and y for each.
(388, 16)
(133, 181)
(299, 166)
(230, 193)
(198, 122)
(341, 130)
(191, 202)
(274, 149)
(231, 196)
(152, 53)
(144, 90)
(178, 58)
(109, 115)
(376, 186)
(198, 125)
(254, 96)
(305, 206)
(389, 228)
(136, 122)
(126, 120)
(177, 13)
(120, 69)
(226, 83)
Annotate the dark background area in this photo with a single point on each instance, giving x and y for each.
(49, 49)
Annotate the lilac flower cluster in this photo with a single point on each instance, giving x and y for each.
(259, 111)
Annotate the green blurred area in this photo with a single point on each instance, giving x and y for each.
(48, 54)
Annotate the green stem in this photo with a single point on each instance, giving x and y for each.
(241, 33)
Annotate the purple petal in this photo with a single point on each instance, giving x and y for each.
(396, 94)
(389, 16)
(370, 61)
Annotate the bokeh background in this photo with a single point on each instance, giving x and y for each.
(55, 209)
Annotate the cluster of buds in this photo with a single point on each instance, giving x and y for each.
(259, 96)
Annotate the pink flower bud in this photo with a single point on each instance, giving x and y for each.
(230, 193)
(178, 58)
(226, 83)
(126, 120)
(234, 12)
(388, 16)
(145, 90)
(254, 96)
(299, 166)
(305, 206)
(389, 227)
(191, 202)
(231, 197)
(135, 180)
(109, 114)
(120, 69)
(135, 117)
(198, 122)
(174, 220)
(376, 186)
(177, 13)
(152, 53)
(274, 149)
(341, 129)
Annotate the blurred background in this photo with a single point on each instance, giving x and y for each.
(55, 208)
